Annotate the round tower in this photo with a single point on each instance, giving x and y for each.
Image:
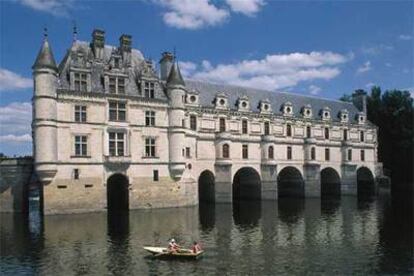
(176, 114)
(45, 114)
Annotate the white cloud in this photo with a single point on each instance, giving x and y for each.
(274, 71)
(246, 7)
(16, 118)
(192, 14)
(377, 49)
(314, 90)
(10, 138)
(364, 68)
(187, 67)
(369, 85)
(54, 7)
(12, 81)
(405, 37)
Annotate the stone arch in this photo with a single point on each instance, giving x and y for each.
(206, 187)
(246, 184)
(290, 183)
(365, 182)
(330, 183)
(117, 192)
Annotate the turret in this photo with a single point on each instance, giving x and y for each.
(44, 113)
(176, 94)
(166, 63)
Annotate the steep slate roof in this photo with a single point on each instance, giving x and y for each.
(208, 91)
(174, 77)
(45, 57)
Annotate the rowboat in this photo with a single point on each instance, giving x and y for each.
(162, 252)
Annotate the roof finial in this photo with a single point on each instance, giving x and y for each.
(45, 32)
(75, 31)
(175, 54)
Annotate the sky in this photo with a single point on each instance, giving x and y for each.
(316, 48)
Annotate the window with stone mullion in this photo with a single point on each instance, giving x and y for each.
(81, 146)
(150, 147)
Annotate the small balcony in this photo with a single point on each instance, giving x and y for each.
(268, 138)
(117, 159)
(225, 135)
(310, 141)
(223, 162)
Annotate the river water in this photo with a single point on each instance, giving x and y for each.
(292, 237)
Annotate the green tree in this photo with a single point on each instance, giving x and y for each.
(392, 112)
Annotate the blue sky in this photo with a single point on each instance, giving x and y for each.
(319, 48)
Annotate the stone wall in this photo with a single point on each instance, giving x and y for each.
(15, 174)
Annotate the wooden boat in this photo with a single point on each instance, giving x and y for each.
(162, 252)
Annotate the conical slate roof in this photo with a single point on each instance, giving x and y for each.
(175, 78)
(45, 58)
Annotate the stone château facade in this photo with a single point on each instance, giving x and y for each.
(110, 132)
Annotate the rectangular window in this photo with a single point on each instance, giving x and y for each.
(361, 136)
(327, 155)
(244, 127)
(288, 130)
(193, 122)
(117, 111)
(155, 175)
(149, 89)
(76, 174)
(80, 113)
(245, 151)
(345, 134)
(80, 81)
(116, 85)
(222, 124)
(308, 132)
(362, 155)
(150, 147)
(149, 118)
(266, 128)
(289, 153)
(116, 144)
(187, 152)
(326, 133)
(81, 145)
(112, 85)
(121, 86)
(350, 155)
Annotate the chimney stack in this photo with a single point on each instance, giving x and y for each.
(98, 43)
(167, 60)
(359, 99)
(125, 43)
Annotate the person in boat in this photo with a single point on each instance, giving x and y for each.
(173, 246)
(196, 247)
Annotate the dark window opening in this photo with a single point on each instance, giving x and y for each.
(155, 175)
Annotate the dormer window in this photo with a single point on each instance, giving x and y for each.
(243, 103)
(326, 113)
(116, 85)
(287, 109)
(221, 101)
(80, 81)
(344, 116)
(361, 118)
(116, 62)
(307, 111)
(149, 89)
(265, 106)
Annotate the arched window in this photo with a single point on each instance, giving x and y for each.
(270, 152)
(313, 153)
(226, 151)
(288, 130)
